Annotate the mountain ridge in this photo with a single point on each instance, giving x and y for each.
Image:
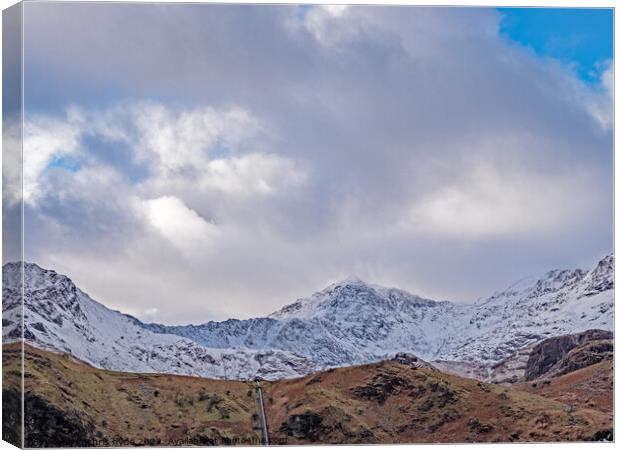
(349, 322)
(59, 316)
(358, 300)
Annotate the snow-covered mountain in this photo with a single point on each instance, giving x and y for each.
(59, 316)
(353, 322)
(350, 322)
(560, 302)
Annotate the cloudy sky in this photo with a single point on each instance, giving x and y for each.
(187, 162)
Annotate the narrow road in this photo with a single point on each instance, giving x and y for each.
(263, 416)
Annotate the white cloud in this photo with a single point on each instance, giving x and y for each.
(12, 163)
(329, 24)
(171, 141)
(201, 148)
(45, 139)
(180, 225)
(600, 102)
(252, 174)
(489, 203)
(149, 313)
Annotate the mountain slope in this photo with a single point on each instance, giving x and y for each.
(387, 402)
(59, 316)
(353, 322)
(560, 302)
(69, 404)
(589, 387)
(548, 358)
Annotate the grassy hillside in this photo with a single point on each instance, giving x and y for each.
(69, 403)
(388, 402)
(100, 406)
(589, 387)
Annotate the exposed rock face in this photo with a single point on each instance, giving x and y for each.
(49, 426)
(585, 355)
(511, 369)
(11, 415)
(549, 357)
(463, 369)
(331, 423)
(408, 359)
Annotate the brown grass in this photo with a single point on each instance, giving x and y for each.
(376, 403)
(590, 387)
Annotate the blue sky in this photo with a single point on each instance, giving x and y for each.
(240, 157)
(583, 37)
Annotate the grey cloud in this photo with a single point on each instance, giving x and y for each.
(384, 112)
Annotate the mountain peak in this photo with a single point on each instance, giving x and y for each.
(350, 280)
(348, 298)
(605, 265)
(598, 279)
(35, 275)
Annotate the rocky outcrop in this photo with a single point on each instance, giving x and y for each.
(476, 371)
(561, 354)
(547, 359)
(511, 369)
(410, 360)
(585, 355)
(332, 424)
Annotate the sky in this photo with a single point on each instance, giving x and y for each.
(582, 38)
(186, 163)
